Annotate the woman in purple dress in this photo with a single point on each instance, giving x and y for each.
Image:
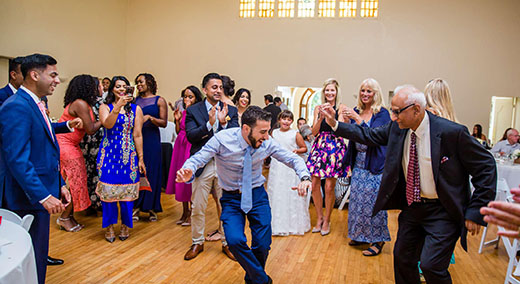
(155, 115)
(181, 152)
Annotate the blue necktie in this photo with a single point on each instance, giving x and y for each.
(246, 202)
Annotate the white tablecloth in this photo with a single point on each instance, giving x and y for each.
(17, 263)
(511, 174)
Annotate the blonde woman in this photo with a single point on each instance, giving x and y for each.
(326, 157)
(367, 163)
(438, 99)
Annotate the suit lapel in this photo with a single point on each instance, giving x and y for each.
(435, 144)
(204, 111)
(38, 114)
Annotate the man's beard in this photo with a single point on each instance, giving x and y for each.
(252, 140)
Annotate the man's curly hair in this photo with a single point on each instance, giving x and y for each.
(84, 87)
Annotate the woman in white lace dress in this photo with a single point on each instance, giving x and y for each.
(290, 212)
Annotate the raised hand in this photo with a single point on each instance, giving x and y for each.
(76, 123)
(177, 114)
(327, 111)
(172, 107)
(212, 115)
(302, 187)
(122, 102)
(184, 175)
(222, 114)
(351, 114)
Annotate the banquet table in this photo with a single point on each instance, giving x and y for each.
(510, 173)
(17, 262)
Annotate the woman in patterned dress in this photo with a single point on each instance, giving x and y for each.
(326, 158)
(367, 164)
(80, 96)
(120, 157)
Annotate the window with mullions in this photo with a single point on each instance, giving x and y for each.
(347, 8)
(327, 8)
(369, 8)
(247, 8)
(306, 8)
(265, 8)
(286, 8)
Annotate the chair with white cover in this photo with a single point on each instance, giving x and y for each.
(502, 194)
(25, 222)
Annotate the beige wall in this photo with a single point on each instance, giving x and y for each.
(471, 44)
(84, 36)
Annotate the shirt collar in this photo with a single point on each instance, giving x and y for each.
(12, 88)
(423, 127)
(208, 105)
(33, 96)
(241, 141)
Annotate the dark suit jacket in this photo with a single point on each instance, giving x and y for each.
(5, 93)
(275, 111)
(29, 157)
(455, 155)
(196, 130)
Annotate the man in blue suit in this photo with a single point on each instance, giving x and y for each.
(15, 79)
(30, 180)
(203, 120)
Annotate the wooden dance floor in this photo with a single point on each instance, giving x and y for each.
(154, 254)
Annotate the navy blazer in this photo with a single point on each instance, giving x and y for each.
(5, 93)
(196, 130)
(29, 156)
(455, 156)
(375, 158)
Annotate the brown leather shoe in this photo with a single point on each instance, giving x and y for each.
(227, 252)
(194, 250)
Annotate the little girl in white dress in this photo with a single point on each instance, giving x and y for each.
(290, 212)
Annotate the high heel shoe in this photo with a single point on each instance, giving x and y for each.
(125, 233)
(110, 235)
(325, 232)
(76, 228)
(317, 228)
(135, 215)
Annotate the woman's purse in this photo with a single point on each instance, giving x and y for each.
(144, 184)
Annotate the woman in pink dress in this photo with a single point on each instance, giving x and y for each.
(181, 152)
(80, 96)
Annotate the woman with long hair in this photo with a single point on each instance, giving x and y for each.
(228, 86)
(80, 96)
(367, 163)
(242, 100)
(326, 157)
(120, 157)
(438, 99)
(155, 115)
(181, 152)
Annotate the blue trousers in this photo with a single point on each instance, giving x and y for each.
(110, 213)
(233, 218)
(39, 232)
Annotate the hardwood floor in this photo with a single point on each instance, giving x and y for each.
(154, 254)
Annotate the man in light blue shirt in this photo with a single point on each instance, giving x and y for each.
(239, 154)
(508, 146)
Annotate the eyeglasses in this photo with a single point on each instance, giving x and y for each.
(397, 112)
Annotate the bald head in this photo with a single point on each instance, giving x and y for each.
(408, 107)
(512, 136)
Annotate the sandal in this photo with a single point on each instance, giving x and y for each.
(125, 233)
(75, 228)
(135, 215)
(371, 252)
(355, 243)
(317, 228)
(213, 236)
(153, 216)
(110, 236)
(186, 222)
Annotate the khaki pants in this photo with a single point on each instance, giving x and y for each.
(201, 189)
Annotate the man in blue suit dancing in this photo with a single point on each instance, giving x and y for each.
(30, 180)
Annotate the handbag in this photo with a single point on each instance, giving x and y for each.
(144, 184)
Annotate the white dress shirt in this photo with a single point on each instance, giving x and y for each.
(12, 88)
(423, 147)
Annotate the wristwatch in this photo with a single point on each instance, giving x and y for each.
(305, 178)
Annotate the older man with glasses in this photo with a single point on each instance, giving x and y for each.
(426, 175)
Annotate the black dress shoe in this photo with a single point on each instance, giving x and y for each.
(54, 261)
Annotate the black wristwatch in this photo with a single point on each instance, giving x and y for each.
(305, 178)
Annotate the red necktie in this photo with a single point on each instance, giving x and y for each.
(413, 180)
(41, 106)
